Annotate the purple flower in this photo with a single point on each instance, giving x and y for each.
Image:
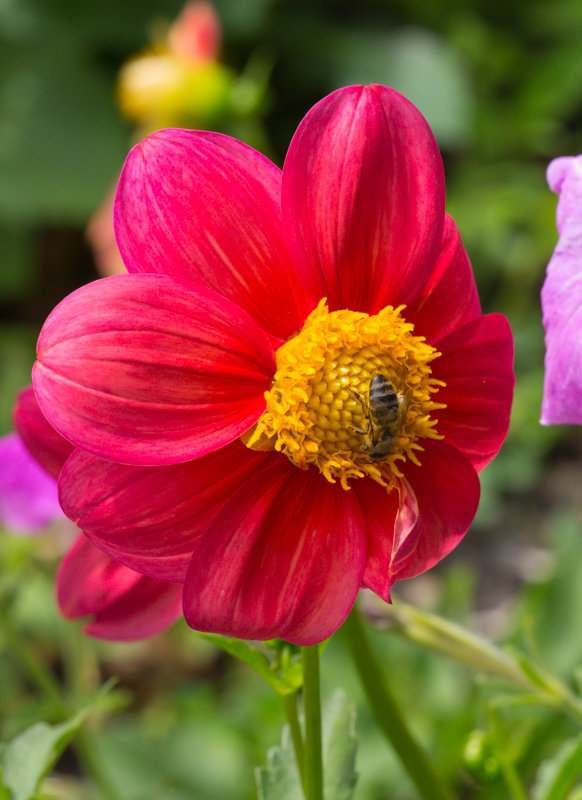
(28, 495)
(562, 299)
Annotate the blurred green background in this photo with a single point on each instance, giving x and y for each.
(501, 85)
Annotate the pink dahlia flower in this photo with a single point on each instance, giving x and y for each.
(123, 605)
(562, 299)
(290, 394)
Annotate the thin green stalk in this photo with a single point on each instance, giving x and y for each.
(387, 714)
(312, 711)
(290, 706)
(438, 634)
(37, 670)
(82, 679)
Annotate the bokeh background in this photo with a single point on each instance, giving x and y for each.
(501, 85)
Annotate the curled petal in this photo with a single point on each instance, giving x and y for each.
(206, 208)
(284, 558)
(151, 518)
(477, 367)
(123, 605)
(143, 369)
(28, 496)
(42, 441)
(561, 300)
(449, 298)
(363, 199)
(380, 510)
(443, 494)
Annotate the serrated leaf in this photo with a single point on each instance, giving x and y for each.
(27, 759)
(339, 747)
(279, 779)
(556, 777)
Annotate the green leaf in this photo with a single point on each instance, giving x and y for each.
(556, 777)
(279, 780)
(27, 759)
(257, 661)
(339, 747)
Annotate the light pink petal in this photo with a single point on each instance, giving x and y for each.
(42, 441)
(445, 490)
(477, 367)
(123, 605)
(562, 300)
(285, 558)
(363, 199)
(449, 298)
(28, 496)
(195, 35)
(205, 207)
(151, 518)
(145, 369)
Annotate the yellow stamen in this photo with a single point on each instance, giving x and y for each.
(321, 410)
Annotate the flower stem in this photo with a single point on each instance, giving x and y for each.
(388, 715)
(434, 633)
(290, 706)
(312, 709)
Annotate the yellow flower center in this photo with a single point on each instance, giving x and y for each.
(352, 395)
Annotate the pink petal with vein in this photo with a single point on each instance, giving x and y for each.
(151, 518)
(363, 199)
(42, 441)
(449, 298)
(123, 605)
(205, 207)
(145, 369)
(285, 558)
(562, 300)
(477, 367)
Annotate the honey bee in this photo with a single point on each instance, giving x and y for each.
(384, 411)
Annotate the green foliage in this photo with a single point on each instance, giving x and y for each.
(26, 759)
(279, 780)
(558, 776)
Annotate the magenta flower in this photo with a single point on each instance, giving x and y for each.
(562, 299)
(28, 496)
(122, 604)
(230, 434)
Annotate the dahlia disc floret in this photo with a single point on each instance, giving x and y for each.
(291, 393)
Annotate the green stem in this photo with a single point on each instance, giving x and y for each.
(388, 715)
(441, 636)
(312, 710)
(82, 675)
(290, 706)
(37, 670)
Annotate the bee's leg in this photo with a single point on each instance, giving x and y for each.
(359, 430)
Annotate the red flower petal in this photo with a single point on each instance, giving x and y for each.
(145, 369)
(42, 441)
(449, 298)
(445, 490)
(205, 207)
(151, 518)
(380, 510)
(124, 605)
(477, 367)
(363, 199)
(285, 559)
